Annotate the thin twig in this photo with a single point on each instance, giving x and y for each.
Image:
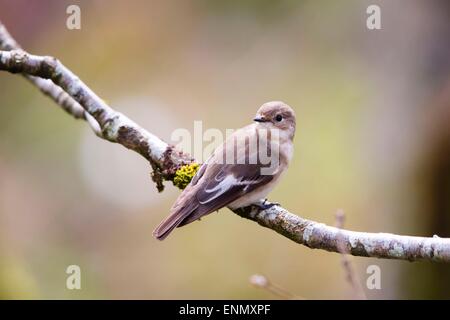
(350, 275)
(263, 282)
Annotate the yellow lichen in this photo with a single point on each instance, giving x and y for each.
(185, 174)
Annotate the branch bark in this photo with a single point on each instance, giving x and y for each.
(68, 91)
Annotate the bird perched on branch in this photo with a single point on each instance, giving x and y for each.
(241, 171)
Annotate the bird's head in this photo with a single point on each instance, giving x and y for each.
(276, 115)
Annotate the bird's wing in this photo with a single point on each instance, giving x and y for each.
(225, 184)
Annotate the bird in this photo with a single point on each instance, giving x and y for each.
(240, 172)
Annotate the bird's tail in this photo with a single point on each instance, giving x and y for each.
(175, 219)
(167, 226)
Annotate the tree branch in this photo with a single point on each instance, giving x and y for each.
(112, 125)
(67, 90)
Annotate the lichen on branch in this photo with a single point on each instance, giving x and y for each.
(185, 174)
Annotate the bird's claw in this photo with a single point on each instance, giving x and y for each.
(264, 205)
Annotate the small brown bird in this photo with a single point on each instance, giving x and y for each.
(240, 172)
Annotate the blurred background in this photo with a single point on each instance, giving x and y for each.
(373, 138)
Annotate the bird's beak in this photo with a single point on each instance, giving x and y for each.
(260, 119)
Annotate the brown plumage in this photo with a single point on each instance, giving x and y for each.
(219, 183)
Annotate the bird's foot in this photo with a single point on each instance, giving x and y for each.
(265, 204)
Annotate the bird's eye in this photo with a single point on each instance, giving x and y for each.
(278, 118)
